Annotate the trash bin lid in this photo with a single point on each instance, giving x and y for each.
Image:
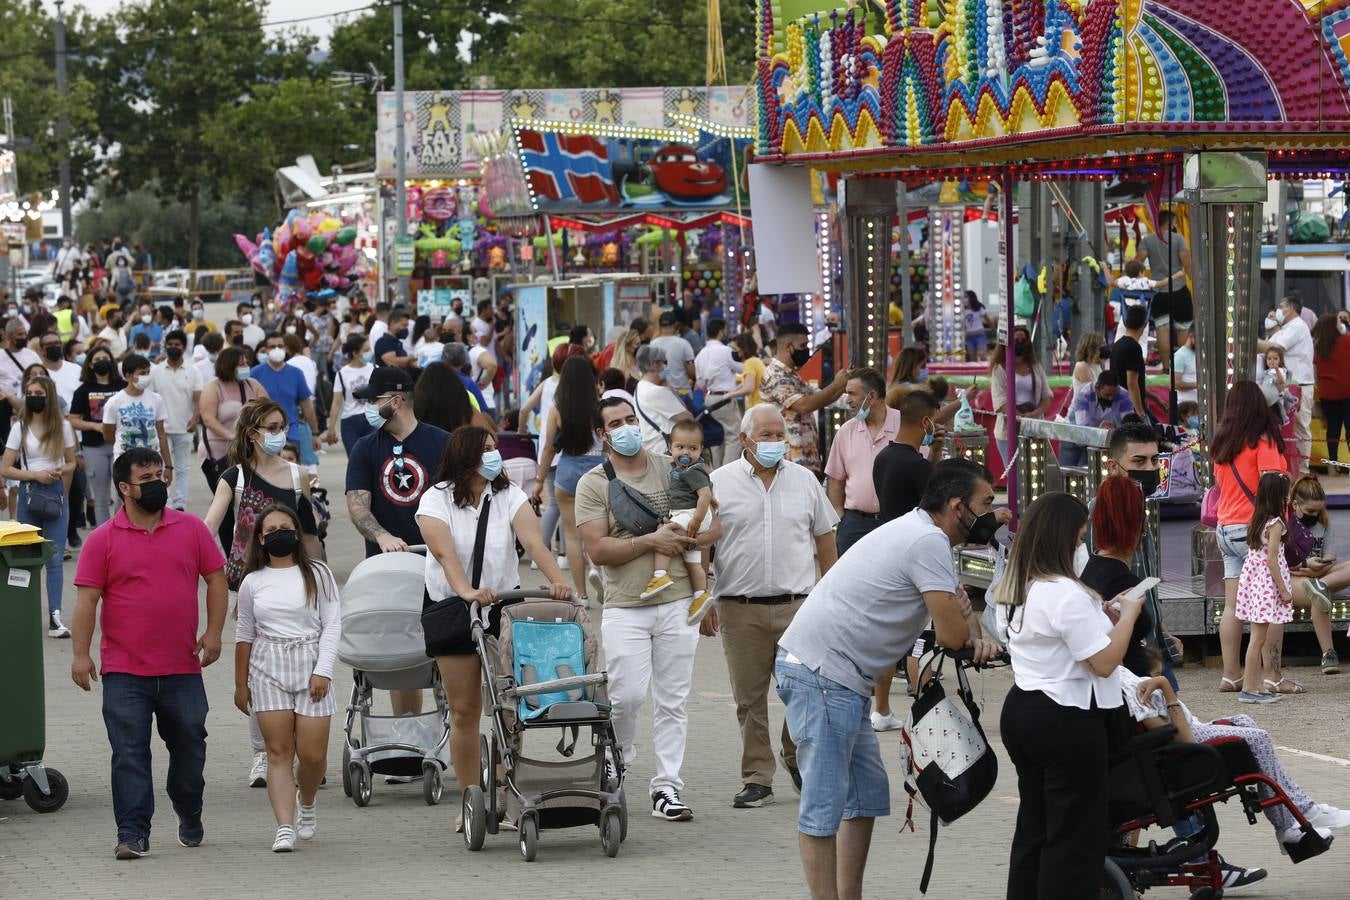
(16, 533)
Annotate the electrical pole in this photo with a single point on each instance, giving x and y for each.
(400, 148)
(63, 122)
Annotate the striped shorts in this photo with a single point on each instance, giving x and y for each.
(278, 676)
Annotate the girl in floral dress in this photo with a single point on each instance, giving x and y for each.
(1264, 595)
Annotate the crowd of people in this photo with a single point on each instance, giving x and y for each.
(762, 540)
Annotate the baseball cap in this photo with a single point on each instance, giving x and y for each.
(667, 318)
(385, 380)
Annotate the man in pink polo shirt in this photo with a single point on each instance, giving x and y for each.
(145, 565)
(854, 449)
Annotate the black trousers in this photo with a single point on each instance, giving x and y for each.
(1338, 416)
(1060, 752)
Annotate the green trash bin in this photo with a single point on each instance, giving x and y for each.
(24, 735)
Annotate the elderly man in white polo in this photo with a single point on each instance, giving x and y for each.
(777, 527)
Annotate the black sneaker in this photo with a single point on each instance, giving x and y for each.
(1235, 878)
(666, 805)
(133, 849)
(794, 772)
(190, 831)
(753, 796)
(1331, 663)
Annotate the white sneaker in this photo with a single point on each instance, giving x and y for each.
(306, 819)
(55, 627)
(562, 563)
(285, 839)
(257, 773)
(1294, 833)
(886, 723)
(597, 584)
(1323, 816)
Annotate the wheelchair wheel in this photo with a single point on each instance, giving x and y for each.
(1115, 886)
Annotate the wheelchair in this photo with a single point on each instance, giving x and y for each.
(1155, 781)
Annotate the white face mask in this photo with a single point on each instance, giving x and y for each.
(142, 382)
(1080, 559)
(290, 329)
(145, 320)
(276, 356)
(246, 319)
(1279, 315)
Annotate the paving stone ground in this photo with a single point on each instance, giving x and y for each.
(400, 847)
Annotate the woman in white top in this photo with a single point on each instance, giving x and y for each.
(1088, 361)
(470, 472)
(347, 414)
(285, 645)
(1064, 651)
(43, 464)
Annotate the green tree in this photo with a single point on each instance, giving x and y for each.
(143, 216)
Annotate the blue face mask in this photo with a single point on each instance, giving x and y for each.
(626, 440)
(373, 415)
(1193, 422)
(273, 444)
(861, 414)
(367, 356)
(923, 374)
(770, 453)
(79, 359)
(242, 372)
(491, 465)
(927, 438)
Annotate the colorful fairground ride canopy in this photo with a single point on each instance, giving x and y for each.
(890, 83)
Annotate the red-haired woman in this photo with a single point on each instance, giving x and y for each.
(1245, 446)
(1117, 528)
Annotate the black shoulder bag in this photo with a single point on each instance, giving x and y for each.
(45, 502)
(445, 623)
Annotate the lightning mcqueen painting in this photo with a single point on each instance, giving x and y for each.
(678, 173)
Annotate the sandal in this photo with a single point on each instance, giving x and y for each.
(1275, 686)
(1230, 685)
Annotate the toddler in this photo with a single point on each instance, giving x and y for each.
(1264, 594)
(690, 493)
(1275, 384)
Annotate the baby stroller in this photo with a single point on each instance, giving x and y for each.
(382, 642)
(1155, 781)
(542, 673)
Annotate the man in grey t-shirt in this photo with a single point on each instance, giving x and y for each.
(1169, 261)
(679, 355)
(862, 616)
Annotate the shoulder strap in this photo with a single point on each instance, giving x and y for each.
(1242, 484)
(636, 405)
(18, 365)
(609, 469)
(23, 444)
(238, 487)
(479, 540)
(295, 485)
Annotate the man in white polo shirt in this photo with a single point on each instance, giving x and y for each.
(715, 371)
(777, 526)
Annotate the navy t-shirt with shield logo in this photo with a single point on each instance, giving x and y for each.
(397, 474)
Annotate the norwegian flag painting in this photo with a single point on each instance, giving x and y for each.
(567, 168)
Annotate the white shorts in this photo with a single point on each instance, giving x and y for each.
(682, 518)
(279, 670)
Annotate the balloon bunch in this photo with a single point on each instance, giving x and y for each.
(316, 251)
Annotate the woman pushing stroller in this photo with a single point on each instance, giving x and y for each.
(286, 643)
(469, 485)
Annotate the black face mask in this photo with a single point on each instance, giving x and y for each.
(102, 366)
(799, 357)
(237, 340)
(1147, 479)
(35, 404)
(736, 355)
(281, 543)
(1019, 348)
(1310, 520)
(154, 496)
(174, 353)
(53, 353)
(981, 531)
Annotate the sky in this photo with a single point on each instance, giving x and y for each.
(320, 27)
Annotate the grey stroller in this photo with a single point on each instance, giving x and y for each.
(382, 642)
(543, 673)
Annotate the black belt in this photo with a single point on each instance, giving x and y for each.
(858, 512)
(773, 599)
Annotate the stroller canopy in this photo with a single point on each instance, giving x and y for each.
(382, 614)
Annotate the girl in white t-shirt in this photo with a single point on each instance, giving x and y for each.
(40, 456)
(348, 414)
(285, 645)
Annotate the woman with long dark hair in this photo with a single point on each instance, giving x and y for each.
(439, 398)
(469, 483)
(1065, 649)
(1032, 390)
(1331, 361)
(285, 645)
(1246, 445)
(570, 432)
(100, 380)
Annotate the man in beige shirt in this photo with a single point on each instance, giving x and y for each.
(648, 643)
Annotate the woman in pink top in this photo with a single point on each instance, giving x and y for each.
(1246, 445)
(224, 397)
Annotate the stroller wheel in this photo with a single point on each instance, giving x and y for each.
(611, 831)
(623, 816)
(487, 766)
(432, 785)
(529, 837)
(346, 770)
(1115, 886)
(475, 817)
(361, 784)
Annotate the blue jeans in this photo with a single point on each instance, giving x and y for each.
(178, 705)
(853, 527)
(353, 428)
(1072, 454)
(837, 751)
(54, 531)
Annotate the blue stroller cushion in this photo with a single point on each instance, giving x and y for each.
(545, 651)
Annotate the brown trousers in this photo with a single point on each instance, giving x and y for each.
(750, 633)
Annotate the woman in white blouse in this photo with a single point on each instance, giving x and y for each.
(1065, 646)
(469, 478)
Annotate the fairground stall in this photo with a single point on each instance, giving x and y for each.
(1200, 102)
